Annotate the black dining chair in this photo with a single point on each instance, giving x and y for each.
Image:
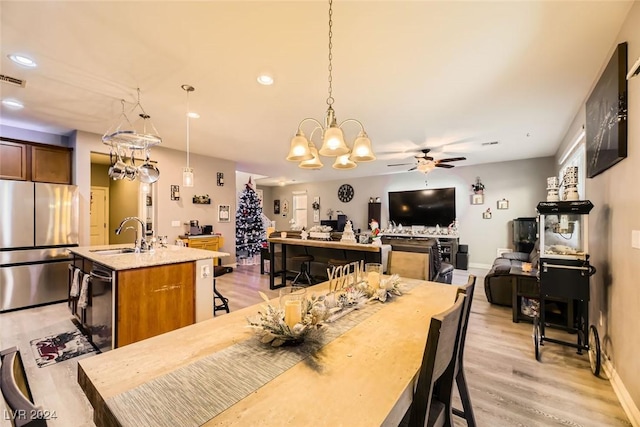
(432, 395)
(16, 392)
(461, 381)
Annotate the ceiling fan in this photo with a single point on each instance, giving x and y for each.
(426, 163)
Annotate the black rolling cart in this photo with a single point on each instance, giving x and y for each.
(564, 273)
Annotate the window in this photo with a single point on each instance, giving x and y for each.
(300, 209)
(577, 158)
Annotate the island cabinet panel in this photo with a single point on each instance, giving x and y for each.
(154, 300)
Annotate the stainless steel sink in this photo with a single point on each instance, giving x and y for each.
(113, 251)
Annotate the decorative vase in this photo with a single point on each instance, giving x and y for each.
(376, 241)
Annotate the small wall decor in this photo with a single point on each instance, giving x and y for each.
(220, 179)
(477, 199)
(276, 206)
(175, 192)
(285, 207)
(224, 213)
(503, 204)
(316, 209)
(478, 186)
(486, 214)
(202, 200)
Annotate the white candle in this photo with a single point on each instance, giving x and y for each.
(374, 279)
(292, 313)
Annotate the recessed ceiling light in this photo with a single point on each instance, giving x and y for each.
(265, 80)
(193, 115)
(14, 104)
(22, 60)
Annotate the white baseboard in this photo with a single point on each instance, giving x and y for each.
(479, 265)
(626, 402)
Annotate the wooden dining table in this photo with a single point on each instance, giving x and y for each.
(218, 373)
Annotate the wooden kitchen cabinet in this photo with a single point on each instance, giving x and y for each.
(49, 164)
(27, 161)
(154, 300)
(13, 160)
(208, 243)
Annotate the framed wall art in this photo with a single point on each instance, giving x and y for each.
(503, 204)
(276, 207)
(606, 116)
(477, 199)
(224, 213)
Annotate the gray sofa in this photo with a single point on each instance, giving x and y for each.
(498, 283)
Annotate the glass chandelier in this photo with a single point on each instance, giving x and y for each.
(303, 150)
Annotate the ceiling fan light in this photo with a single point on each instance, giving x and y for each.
(314, 163)
(344, 162)
(333, 143)
(299, 150)
(362, 151)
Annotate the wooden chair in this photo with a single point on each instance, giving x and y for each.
(16, 391)
(432, 395)
(461, 381)
(412, 265)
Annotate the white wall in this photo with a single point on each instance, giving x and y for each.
(522, 182)
(170, 163)
(614, 288)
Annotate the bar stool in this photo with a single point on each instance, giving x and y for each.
(219, 301)
(305, 268)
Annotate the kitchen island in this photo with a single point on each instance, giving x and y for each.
(133, 296)
(322, 251)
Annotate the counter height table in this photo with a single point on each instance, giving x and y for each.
(355, 251)
(217, 373)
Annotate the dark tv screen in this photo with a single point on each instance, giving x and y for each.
(429, 207)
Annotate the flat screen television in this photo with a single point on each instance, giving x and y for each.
(429, 207)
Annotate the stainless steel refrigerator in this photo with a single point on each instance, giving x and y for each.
(37, 222)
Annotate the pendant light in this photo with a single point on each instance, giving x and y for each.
(333, 143)
(187, 172)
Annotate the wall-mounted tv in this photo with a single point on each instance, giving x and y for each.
(428, 207)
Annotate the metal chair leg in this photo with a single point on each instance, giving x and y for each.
(224, 304)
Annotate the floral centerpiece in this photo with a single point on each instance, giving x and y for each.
(272, 328)
(388, 288)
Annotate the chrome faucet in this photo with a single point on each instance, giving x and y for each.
(140, 246)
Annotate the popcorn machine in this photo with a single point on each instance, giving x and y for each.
(565, 272)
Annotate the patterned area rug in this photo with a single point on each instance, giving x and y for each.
(57, 348)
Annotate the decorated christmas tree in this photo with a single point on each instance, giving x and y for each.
(250, 230)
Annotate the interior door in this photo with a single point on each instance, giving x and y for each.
(99, 213)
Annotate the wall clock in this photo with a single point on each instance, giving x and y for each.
(345, 193)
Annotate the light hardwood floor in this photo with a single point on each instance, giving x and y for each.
(508, 386)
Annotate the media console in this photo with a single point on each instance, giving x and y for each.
(448, 243)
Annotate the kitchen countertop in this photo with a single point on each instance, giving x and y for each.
(197, 236)
(170, 255)
(334, 244)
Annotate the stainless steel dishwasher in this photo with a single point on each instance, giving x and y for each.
(100, 311)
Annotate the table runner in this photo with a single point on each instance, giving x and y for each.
(203, 389)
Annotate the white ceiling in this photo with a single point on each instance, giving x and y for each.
(416, 74)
